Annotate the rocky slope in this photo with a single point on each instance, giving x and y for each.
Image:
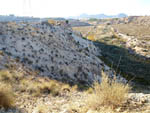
(133, 51)
(140, 20)
(54, 51)
(30, 50)
(136, 46)
(68, 100)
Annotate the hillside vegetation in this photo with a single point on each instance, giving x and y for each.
(46, 67)
(24, 91)
(125, 48)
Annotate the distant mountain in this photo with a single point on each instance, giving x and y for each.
(98, 16)
(122, 15)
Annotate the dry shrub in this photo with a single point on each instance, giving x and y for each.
(109, 93)
(74, 88)
(52, 87)
(33, 85)
(53, 22)
(10, 77)
(90, 90)
(41, 86)
(91, 37)
(6, 96)
(5, 75)
(1, 53)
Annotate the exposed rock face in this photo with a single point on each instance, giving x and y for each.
(136, 46)
(54, 51)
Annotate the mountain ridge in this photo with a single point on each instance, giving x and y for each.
(98, 16)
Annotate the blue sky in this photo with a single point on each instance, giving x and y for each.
(64, 8)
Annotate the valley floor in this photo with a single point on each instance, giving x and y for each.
(73, 102)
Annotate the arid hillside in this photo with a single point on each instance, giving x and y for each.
(53, 50)
(46, 67)
(140, 20)
(126, 39)
(23, 90)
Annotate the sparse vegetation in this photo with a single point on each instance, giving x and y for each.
(53, 22)
(109, 93)
(7, 99)
(132, 66)
(1, 53)
(133, 30)
(22, 88)
(41, 86)
(91, 37)
(33, 86)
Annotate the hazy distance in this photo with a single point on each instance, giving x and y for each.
(65, 8)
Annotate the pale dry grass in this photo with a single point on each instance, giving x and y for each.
(7, 99)
(33, 85)
(53, 22)
(41, 86)
(133, 29)
(109, 93)
(1, 53)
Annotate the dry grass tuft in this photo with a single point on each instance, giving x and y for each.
(53, 22)
(109, 93)
(1, 53)
(91, 37)
(5, 75)
(6, 97)
(35, 86)
(41, 86)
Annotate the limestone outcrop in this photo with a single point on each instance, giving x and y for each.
(53, 50)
